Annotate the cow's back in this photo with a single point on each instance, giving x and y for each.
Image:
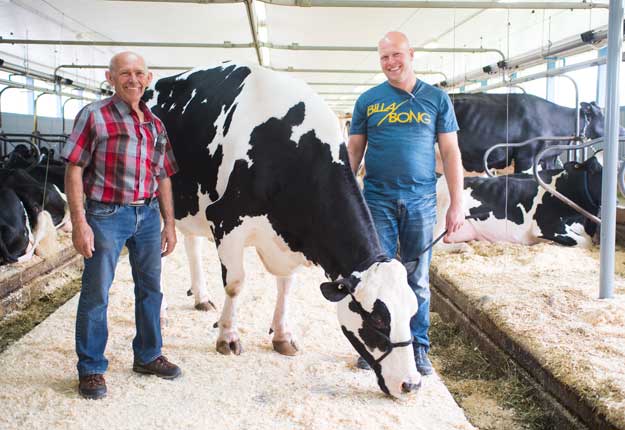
(488, 119)
(211, 115)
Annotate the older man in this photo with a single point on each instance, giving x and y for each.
(399, 122)
(120, 158)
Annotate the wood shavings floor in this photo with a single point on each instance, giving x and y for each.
(318, 389)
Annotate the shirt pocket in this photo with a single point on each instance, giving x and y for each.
(158, 154)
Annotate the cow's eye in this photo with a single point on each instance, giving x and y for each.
(377, 321)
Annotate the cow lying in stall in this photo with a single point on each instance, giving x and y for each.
(515, 209)
(263, 163)
(27, 226)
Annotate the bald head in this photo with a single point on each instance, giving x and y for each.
(130, 76)
(123, 57)
(395, 38)
(396, 57)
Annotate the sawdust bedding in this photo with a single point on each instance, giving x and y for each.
(546, 298)
(318, 389)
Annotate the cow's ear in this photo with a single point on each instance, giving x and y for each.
(336, 290)
(584, 107)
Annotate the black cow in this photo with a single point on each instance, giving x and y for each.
(14, 229)
(43, 167)
(263, 163)
(35, 196)
(45, 209)
(515, 209)
(488, 119)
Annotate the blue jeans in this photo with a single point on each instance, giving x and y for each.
(411, 222)
(139, 228)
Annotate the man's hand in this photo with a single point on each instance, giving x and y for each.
(168, 239)
(82, 238)
(453, 220)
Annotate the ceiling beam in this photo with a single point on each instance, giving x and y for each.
(256, 44)
(408, 4)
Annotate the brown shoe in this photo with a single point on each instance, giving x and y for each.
(160, 367)
(92, 386)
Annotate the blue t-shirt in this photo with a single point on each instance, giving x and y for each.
(401, 130)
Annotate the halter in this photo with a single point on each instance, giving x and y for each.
(389, 344)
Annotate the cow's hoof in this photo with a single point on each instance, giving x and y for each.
(205, 306)
(227, 348)
(285, 347)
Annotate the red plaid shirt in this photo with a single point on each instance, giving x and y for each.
(123, 159)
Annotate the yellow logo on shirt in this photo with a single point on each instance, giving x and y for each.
(393, 117)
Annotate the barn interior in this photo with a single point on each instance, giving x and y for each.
(551, 315)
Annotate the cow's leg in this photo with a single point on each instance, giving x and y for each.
(193, 247)
(231, 255)
(283, 341)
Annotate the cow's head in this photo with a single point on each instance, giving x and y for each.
(593, 121)
(374, 310)
(583, 183)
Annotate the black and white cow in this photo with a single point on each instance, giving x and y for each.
(263, 163)
(488, 119)
(39, 211)
(41, 165)
(14, 228)
(513, 208)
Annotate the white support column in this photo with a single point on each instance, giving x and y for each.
(601, 77)
(608, 188)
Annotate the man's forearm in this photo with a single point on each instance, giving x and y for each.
(452, 168)
(355, 151)
(165, 200)
(75, 192)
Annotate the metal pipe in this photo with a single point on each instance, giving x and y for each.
(2, 91)
(35, 122)
(565, 47)
(63, 111)
(257, 44)
(543, 74)
(297, 47)
(251, 17)
(407, 4)
(43, 76)
(126, 43)
(102, 66)
(352, 71)
(34, 88)
(518, 145)
(608, 186)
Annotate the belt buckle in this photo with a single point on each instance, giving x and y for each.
(139, 202)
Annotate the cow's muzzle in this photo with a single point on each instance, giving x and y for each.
(408, 387)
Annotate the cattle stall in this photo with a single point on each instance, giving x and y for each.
(537, 306)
